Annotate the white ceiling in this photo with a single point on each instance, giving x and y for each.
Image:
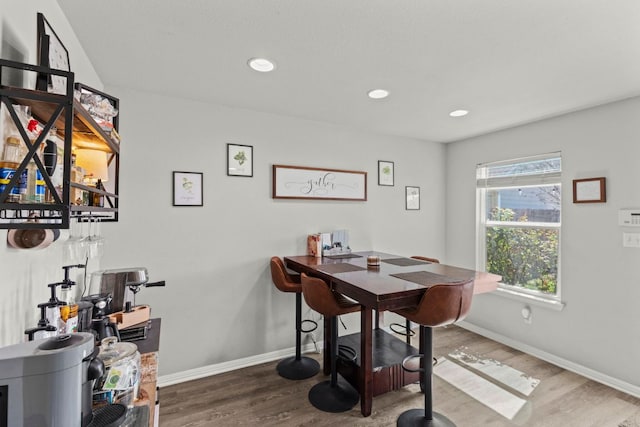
(507, 61)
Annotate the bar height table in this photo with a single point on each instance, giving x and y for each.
(398, 282)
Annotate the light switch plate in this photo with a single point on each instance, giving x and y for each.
(631, 240)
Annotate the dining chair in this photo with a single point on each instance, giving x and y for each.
(440, 305)
(334, 395)
(296, 367)
(408, 332)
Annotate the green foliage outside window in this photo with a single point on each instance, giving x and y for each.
(524, 257)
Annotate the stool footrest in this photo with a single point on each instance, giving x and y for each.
(409, 358)
(311, 329)
(346, 353)
(402, 330)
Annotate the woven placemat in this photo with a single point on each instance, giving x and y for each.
(339, 268)
(426, 278)
(343, 256)
(404, 262)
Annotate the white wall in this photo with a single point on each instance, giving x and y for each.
(219, 303)
(18, 33)
(598, 328)
(24, 274)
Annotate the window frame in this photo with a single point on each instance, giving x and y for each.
(484, 184)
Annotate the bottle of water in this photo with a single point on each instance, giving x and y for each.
(11, 158)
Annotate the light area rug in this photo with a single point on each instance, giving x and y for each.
(633, 421)
(504, 374)
(484, 391)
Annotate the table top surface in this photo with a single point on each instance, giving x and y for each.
(379, 287)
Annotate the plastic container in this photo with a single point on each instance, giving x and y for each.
(9, 162)
(121, 380)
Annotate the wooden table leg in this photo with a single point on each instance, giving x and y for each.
(366, 354)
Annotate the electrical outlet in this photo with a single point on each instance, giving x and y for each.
(526, 314)
(631, 240)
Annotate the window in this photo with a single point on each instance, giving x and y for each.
(519, 223)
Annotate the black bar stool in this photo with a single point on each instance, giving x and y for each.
(333, 395)
(441, 305)
(296, 367)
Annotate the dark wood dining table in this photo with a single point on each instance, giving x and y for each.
(398, 282)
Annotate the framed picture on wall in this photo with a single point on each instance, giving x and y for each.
(239, 160)
(385, 173)
(51, 54)
(589, 190)
(412, 195)
(187, 188)
(302, 182)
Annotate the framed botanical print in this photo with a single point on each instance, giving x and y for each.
(239, 160)
(385, 173)
(412, 195)
(187, 189)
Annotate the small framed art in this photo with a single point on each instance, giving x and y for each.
(385, 173)
(412, 195)
(187, 188)
(239, 160)
(589, 190)
(51, 54)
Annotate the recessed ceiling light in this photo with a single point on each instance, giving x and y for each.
(261, 64)
(378, 93)
(458, 113)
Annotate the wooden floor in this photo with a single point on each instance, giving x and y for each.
(257, 396)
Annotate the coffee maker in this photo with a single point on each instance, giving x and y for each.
(118, 288)
(49, 381)
(122, 285)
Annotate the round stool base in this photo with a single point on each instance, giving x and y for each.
(415, 418)
(339, 398)
(298, 369)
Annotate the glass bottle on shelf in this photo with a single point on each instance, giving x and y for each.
(32, 178)
(11, 158)
(77, 175)
(35, 187)
(32, 184)
(35, 184)
(98, 199)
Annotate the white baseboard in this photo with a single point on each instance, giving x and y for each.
(616, 383)
(219, 368)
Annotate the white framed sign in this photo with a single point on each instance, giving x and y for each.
(299, 182)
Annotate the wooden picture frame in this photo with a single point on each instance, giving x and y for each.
(385, 173)
(590, 190)
(412, 198)
(300, 182)
(51, 54)
(187, 188)
(239, 160)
